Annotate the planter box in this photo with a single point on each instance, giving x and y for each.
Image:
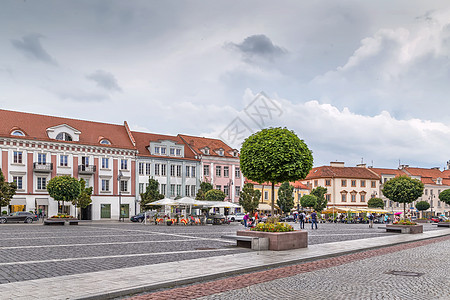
(443, 224)
(281, 240)
(412, 229)
(421, 221)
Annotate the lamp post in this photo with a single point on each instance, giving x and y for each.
(119, 178)
(431, 204)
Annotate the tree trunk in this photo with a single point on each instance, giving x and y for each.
(404, 211)
(273, 198)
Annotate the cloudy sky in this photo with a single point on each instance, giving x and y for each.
(356, 80)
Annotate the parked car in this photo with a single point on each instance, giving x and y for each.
(20, 216)
(434, 219)
(289, 218)
(236, 217)
(140, 216)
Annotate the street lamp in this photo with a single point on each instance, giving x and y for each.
(431, 203)
(119, 178)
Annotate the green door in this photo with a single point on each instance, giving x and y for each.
(125, 211)
(105, 211)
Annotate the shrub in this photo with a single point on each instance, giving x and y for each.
(273, 227)
(4, 212)
(404, 222)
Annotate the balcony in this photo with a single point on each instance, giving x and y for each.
(43, 167)
(88, 170)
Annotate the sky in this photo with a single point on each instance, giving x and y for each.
(358, 81)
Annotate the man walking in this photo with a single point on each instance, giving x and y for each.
(246, 217)
(301, 219)
(371, 220)
(313, 219)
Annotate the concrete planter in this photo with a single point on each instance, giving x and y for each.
(412, 229)
(281, 240)
(421, 221)
(443, 224)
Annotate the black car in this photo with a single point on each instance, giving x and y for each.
(20, 216)
(140, 217)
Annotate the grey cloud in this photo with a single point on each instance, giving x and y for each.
(105, 80)
(258, 45)
(31, 47)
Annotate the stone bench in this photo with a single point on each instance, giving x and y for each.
(442, 224)
(254, 243)
(54, 222)
(408, 229)
(391, 229)
(73, 222)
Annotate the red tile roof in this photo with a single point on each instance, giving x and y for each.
(432, 173)
(341, 172)
(35, 127)
(381, 171)
(198, 143)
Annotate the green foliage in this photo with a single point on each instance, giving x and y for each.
(204, 188)
(308, 200)
(403, 190)
(273, 227)
(249, 198)
(84, 199)
(285, 197)
(64, 188)
(444, 196)
(151, 193)
(422, 205)
(321, 202)
(215, 195)
(7, 190)
(375, 203)
(275, 155)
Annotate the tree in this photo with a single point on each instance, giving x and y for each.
(249, 198)
(285, 197)
(151, 193)
(63, 188)
(308, 201)
(7, 190)
(375, 203)
(215, 195)
(321, 202)
(204, 188)
(275, 155)
(444, 196)
(403, 190)
(84, 199)
(422, 205)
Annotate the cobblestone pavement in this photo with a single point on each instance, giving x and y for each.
(34, 251)
(418, 270)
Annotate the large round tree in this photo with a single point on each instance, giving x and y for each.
(375, 203)
(444, 196)
(422, 205)
(63, 188)
(403, 190)
(275, 155)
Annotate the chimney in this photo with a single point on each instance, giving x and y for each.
(361, 165)
(337, 164)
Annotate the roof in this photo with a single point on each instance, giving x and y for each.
(199, 143)
(35, 127)
(341, 172)
(381, 171)
(143, 140)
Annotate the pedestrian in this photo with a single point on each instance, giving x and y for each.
(386, 219)
(301, 219)
(246, 217)
(313, 219)
(371, 220)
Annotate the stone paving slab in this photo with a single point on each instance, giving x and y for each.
(119, 282)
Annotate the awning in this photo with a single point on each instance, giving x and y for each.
(264, 206)
(41, 201)
(18, 202)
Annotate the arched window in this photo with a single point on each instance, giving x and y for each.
(64, 136)
(17, 133)
(105, 142)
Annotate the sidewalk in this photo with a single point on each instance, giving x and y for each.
(120, 282)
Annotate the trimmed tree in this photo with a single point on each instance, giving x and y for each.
(403, 190)
(204, 188)
(151, 193)
(321, 202)
(275, 155)
(308, 201)
(7, 190)
(84, 199)
(375, 203)
(444, 196)
(249, 198)
(422, 205)
(63, 188)
(285, 199)
(215, 195)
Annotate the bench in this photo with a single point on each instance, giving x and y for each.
(254, 243)
(73, 222)
(395, 229)
(442, 224)
(54, 222)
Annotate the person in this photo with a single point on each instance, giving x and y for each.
(370, 220)
(313, 219)
(246, 217)
(386, 219)
(301, 219)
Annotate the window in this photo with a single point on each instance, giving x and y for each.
(42, 158)
(328, 197)
(226, 190)
(64, 136)
(172, 190)
(187, 190)
(192, 190)
(218, 187)
(343, 182)
(105, 142)
(124, 164)
(17, 133)
(163, 170)
(157, 169)
(363, 198)
(85, 161)
(178, 189)
(124, 185)
(172, 151)
(266, 195)
(237, 172)
(41, 183)
(374, 184)
(64, 160)
(237, 191)
(178, 171)
(141, 188)
(148, 168)
(439, 203)
(426, 192)
(163, 150)
(105, 185)
(192, 171)
(363, 183)
(344, 197)
(316, 183)
(157, 150)
(178, 152)
(188, 169)
(105, 211)
(105, 163)
(327, 182)
(163, 188)
(17, 157)
(353, 197)
(18, 181)
(206, 170)
(385, 180)
(172, 171)
(218, 171)
(141, 168)
(353, 183)
(226, 171)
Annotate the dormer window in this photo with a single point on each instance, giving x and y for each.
(105, 142)
(220, 152)
(17, 133)
(178, 152)
(64, 136)
(439, 181)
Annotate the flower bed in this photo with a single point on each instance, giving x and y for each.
(273, 227)
(404, 222)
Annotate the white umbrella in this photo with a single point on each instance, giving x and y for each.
(165, 201)
(188, 201)
(226, 205)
